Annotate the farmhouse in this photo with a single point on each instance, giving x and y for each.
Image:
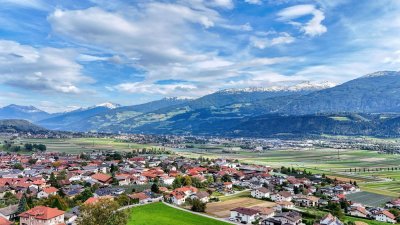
(265, 212)
(202, 196)
(287, 218)
(46, 192)
(358, 211)
(42, 215)
(244, 215)
(282, 196)
(305, 200)
(260, 193)
(385, 216)
(329, 220)
(102, 178)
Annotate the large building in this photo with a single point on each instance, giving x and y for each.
(42, 215)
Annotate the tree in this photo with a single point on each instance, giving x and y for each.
(123, 200)
(113, 168)
(105, 211)
(177, 183)
(154, 188)
(187, 181)
(18, 166)
(32, 161)
(226, 178)
(56, 201)
(198, 206)
(53, 180)
(62, 175)
(22, 205)
(83, 196)
(336, 210)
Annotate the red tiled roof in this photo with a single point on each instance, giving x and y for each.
(101, 177)
(91, 200)
(4, 221)
(388, 214)
(140, 196)
(50, 190)
(42, 213)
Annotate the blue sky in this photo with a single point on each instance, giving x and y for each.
(60, 55)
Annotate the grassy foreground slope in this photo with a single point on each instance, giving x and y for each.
(159, 213)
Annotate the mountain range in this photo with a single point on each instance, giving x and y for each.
(360, 103)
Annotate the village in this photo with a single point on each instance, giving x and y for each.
(49, 188)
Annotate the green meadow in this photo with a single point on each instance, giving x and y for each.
(160, 213)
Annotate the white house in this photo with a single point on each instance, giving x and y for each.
(358, 211)
(260, 193)
(244, 215)
(46, 192)
(282, 196)
(385, 216)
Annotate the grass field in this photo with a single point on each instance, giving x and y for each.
(222, 209)
(369, 199)
(77, 145)
(241, 194)
(161, 214)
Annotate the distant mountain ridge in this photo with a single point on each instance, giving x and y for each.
(30, 113)
(94, 118)
(15, 126)
(219, 112)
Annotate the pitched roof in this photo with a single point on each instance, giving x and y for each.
(42, 212)
(388, 214)
(50, 190)
(101, 177)
(4, 221)
(246, 211)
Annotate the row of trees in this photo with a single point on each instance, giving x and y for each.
(10, 146)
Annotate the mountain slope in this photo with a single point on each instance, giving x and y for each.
(376, 92)
(64, 120)
(97, 117)
(22, 112)
(14, 125)
(225, 103)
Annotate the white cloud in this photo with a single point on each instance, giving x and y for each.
(43, 69)
(222, 3)
(255, 2)
(165, 90)
(264, 42)
(166, 41)
(313, 27)
(35, 4)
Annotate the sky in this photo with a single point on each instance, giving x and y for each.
(63, 54)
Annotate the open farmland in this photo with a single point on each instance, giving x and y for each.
(77, 145)
(162, 214)
(372, 170)
(222, 209)
(369, 199)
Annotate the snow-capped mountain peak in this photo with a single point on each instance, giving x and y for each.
(382, 73)
(177, 98)
(302, 86)
(109, 105)
(25, 109)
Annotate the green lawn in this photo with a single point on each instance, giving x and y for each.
(161, 214)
